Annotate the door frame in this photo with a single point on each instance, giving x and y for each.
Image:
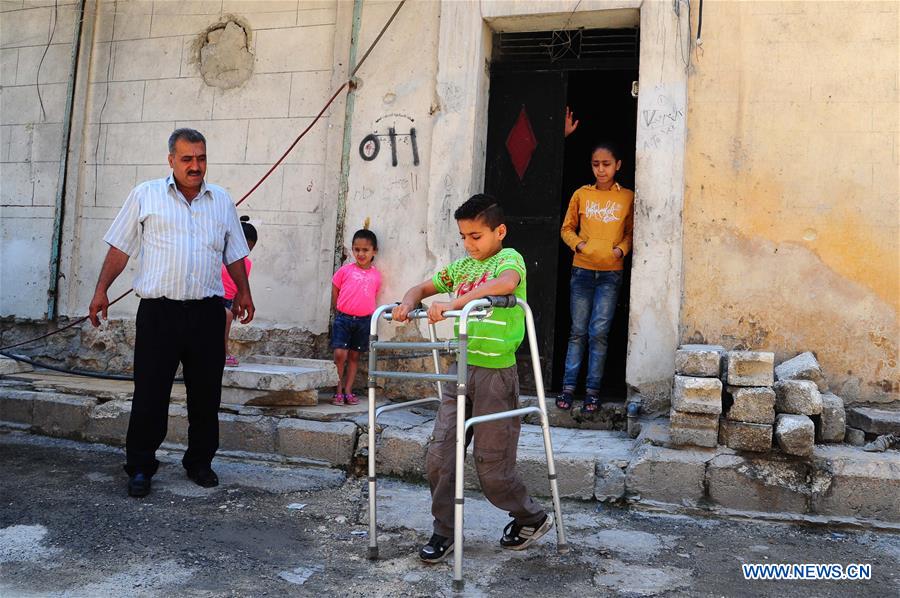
(459, 139)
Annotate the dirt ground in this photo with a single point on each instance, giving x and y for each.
(67, 528)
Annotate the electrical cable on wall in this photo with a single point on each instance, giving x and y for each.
(37, 79)
(349, 82)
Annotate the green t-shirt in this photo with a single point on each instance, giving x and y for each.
(492, 341)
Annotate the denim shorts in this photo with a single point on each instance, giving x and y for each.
(350, 332)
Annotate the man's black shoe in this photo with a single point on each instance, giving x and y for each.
(204, 477)
(138, 485)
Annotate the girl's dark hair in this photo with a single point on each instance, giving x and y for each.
(608, 146)
(368, 235)
(249, 229)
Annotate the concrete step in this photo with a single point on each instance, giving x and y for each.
(609, 416)
(838, 483)
(11, 366)
(277, 381)
(874, 422)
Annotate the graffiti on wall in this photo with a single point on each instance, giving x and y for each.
(660, 118)
(370, 147)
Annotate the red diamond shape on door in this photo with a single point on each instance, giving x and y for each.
(521, 143)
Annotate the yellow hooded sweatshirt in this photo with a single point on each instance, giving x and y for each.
(603, 220)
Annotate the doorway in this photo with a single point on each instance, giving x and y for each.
(533, 169)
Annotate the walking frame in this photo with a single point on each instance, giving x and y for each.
(479, 309)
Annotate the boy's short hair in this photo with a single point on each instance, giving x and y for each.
(481, 206)
(367, 235)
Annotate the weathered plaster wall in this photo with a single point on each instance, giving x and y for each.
(791, 228)
(397, 92)
(30, 145)
(145, 81)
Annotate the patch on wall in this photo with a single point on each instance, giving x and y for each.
(223, 53)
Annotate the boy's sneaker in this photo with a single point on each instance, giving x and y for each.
(437, 549)
(520, 537)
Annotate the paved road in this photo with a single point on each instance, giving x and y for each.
(68, 529)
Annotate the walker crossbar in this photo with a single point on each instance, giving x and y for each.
(417, 346)
(405, 405)
(490, 417)
(479, 308)
(413, 376)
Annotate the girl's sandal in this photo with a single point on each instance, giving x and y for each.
(338, 399)
(564, 401)
(590, 406)
(351, 399)
(231, 361)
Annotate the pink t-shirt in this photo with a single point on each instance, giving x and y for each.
(228, 284)
(356, 289)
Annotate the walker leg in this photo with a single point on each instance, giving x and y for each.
(562, 546)
(459, 499)
(432, 336)
(373, 507)
(373, 526)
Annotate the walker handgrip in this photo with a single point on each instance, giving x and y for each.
(502, 300)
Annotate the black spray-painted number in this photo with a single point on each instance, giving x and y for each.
(370, 146)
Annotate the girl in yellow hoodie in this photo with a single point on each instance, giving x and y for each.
(597, 227)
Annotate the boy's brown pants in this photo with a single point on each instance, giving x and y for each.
(496, 443)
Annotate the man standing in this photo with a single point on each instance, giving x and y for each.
(181, 230)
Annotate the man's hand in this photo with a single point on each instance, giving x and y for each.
(100, 303)
(569, 125)
(113, 265)
(243, 308)
(437, 309)
(401, 312)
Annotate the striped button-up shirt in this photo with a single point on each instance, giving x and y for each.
(180, 245)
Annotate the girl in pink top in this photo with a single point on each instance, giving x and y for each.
(353, 290)
(231, 288)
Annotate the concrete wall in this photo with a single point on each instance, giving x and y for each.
(146, 74)
(788, 238)
(791, 203)
(397, 91)
(30, 145)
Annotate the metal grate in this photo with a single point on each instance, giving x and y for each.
(570, 46)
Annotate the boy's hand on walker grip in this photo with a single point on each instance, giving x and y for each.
(400, 313)
(436, 311)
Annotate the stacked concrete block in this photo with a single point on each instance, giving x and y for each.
(704, 361)
(798, 397)
(797, 402)
(802, 367)
(750, 368)
(833, 421)
(750, 404)
(795, 434)
(745, 436)
(696, 406)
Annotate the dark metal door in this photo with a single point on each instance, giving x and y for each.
(524, 169)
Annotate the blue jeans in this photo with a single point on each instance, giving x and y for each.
(593, 305)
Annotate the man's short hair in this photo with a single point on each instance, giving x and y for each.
(481, 207)
(189, 135)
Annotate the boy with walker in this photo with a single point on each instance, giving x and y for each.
(489, 269)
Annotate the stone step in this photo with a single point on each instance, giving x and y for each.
(11, 366)
(836, 482)
(609, 415)
(874, 421)
(277, 381)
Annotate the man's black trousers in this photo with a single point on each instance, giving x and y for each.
(169, 332)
